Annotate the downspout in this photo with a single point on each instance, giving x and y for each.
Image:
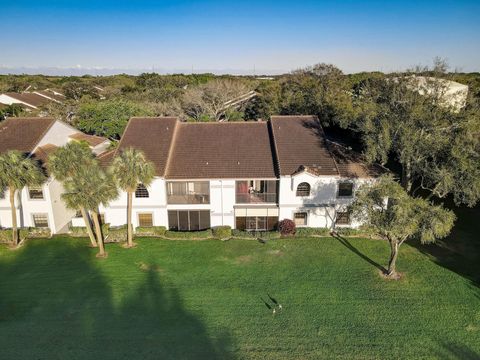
(221, 194)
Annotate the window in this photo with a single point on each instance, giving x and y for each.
(35, 192)
(141, 191)
(145, 220)
(343, 218)
(300, 218)
(40, 220)
(345, 189)
(256, 191)
(188, 192)
(303, 189)
(188, 220)
(256, 223)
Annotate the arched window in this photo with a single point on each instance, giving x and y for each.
(303, 189)
(141, 191)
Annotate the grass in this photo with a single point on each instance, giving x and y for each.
(191, 300)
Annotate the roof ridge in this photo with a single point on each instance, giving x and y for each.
(171, 147)
(42, 135)
(275, 148)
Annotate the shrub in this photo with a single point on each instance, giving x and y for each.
(222, 232)
(361, 231)
(34, 232)
(23, 233)
(78, 231)
(115, 234)
(287, 227)
(306, 231)
(189, 235)
(151, 231)
(240, 234)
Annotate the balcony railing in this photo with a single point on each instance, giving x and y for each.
(189, 199)
(256, 198)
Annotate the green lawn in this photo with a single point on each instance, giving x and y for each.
(203, 299)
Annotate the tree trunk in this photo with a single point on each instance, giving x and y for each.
(14, 217)
(407, 177)
(88, 225)
(129, 220)
(392, 271)
(98, 230)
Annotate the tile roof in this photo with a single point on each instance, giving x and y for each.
(352, 164)
(239, 150)
(300, 141)
(105, 158)
(23, 134)
(92, 140)
(42, 152)
(221, 150)
(29, 98)
(153, 136)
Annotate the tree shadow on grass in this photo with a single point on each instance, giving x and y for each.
(353, 249)
(456, 351)
(55, 303)
(459, 252)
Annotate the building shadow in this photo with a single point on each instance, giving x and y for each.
(57, 303)
(353, 249)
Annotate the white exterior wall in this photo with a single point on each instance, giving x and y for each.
(100, 148)
(61, 214)
(57, 135)
(322, 204)
(116, 211)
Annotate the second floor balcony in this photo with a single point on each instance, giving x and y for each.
(188, 192)
(256, 191)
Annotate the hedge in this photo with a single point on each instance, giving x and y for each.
(319, 231)
(116, 234)
(151, 231)
(81, 231)
(23, 233)
(255, 234)
(189, 235)
(222, 232)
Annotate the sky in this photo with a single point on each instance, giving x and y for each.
(243, 37)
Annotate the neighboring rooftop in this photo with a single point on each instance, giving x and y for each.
(23, 133)
(92, 140)
(42, 152)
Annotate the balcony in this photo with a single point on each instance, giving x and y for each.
(188, 192)
(256, 191)
(188, 199)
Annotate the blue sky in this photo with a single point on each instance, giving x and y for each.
(227, 36)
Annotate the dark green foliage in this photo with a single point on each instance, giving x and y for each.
(116, 234)
(109, 117)
(222, 232)
(189, 235)
(24, 233)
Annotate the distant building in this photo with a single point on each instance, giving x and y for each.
(32, 100)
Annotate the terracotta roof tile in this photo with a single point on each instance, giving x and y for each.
(29, 98)
(42, 152)
(300, 141)
(92, 140)
(221, 150)
(151, 135)
(23, 134)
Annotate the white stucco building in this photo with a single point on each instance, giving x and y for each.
(37, 137)
(247, 175)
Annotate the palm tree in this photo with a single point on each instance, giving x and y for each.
(65, 163)
(132, 168)
(91, 187)
(16, 172)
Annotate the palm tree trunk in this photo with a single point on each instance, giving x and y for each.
(88, 225)
(129, 219)
(98, 230)
(392, 271)
(14, 217)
